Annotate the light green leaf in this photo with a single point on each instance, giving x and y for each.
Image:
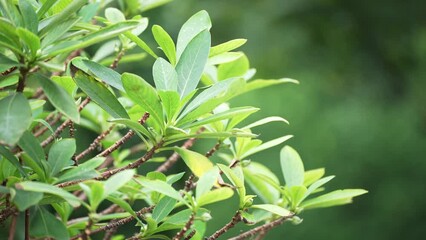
(83, 171)
(237, 68)
(144, 95)
(261, 83)
(161, 187)
(29, 16)
(315, 186)
(197, 163)
(15, 116)
(30, 39)
(60, 155)
(66, 83)
(296, 194)
(192, 62)
(165, 76)
(170, 101)
(124, 205)
(273, 209)
(224, 58)
(140, 44)
(164, 207)
(47, 188)
(165, 42)
(206, 182)
(58, 97)
(226, 47)
(262, 181)
(24, 199)
(338, 197)
(94, 190)
(215, 135)
(191, 28)
(312, 176)
(215, 195)
(5, 64)
(265, 121)
(100, 94)
(266, 145)
(114, 15)
(292, 167)
(46, 225)
(237, 180)
(45, 7)
(117, 181)
(135, 126)
(12, 159)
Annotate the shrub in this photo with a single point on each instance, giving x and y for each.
(49, 83)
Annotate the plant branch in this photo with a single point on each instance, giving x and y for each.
(42, 130)
(263, 228)
(27, 224)
(12, 228)
(95, 143)
(187, 226)
(114, 64)
(235, 219)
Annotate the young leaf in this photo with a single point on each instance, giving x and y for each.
(312, 176)
(58, 97)
(29, 16)
(191, 28)
(292, 167)
(237, 180)
(296, 194)
(165, 42)
(46, 225)
(255, 175)
(224, 58)
(164, 207)
(273, 209)
(13, 160)
(265, 121)
(100, 94)
(47, 188)
(114, 15)
(161, 187)
(226, 47)
(60, 155)
(197, 163)
(30, 39)
(170, 101)
(165, 76)
(117, 181)
(206, 182)
(143, 94)
(140, 43)
(315, 186)
(192, 62)
(266, 145)
(215, 195)
(15, 116)
(335, 198)
(232, 69)
(261, 83)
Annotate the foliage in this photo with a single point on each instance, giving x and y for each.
(50, 83)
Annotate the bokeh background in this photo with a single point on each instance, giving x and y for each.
(359, 111)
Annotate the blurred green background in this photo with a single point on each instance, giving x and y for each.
(359, 110)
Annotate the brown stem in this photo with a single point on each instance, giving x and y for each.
(94, 144)
(27, 224)
(190, 235)
(22, 79)
(71, 129)
(261, 235)
(7, 212)
(187, 226)
(8, 71)
(213, 150)
(175, 156)
(114, 64)
(263, 228)
(189, 184)
(235, 219)
(12, 228)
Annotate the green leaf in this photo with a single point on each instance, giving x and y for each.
(221, 116)
(192, 62)
(39, 170)
(117, 181)
(114, 15)
(215, 195)
(265, 121)
(224, 58)
(83, 171)
(32, 147)
(29, 16)
(170, 101)
(261, 83)
(316, 185)
(197, 163)
(46, 225)
(30, 39)
(292, 167)
(266, 145)
(91, 38)
(165, 76)
(144, 95)
(237, 68)
(60, 155)
(296, 194)
(58, 31)
(45, 7)
(62, 14)
(206, 182)
(164, 207)
(94, 190)
(273, 209)
(215, 135)
(140, 44)
(335, 198)
(237, 180)
(13, 160)
(312, 176)
(262, 181)
(124, 205)
(66, 83)
(161, 187)
(5, 64)
(191, 28)
(47, 188)
(165, 42)
(135, 126)
(105, 74)
(15, 116)
(24, 199)
(100, 94)
(58, 97)
(226, 47)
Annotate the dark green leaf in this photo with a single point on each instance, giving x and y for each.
(100, 94)
(46, 225)
(29, 144)
(15, 117)
(85, 170)
(47, 188)
(105, 74)
(29, 16)
(31, 40)
(23, 199)
(165, 42)
(12, 159)
(192, 62)
(60, 155)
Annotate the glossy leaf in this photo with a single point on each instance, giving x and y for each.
(47, 188)
(144, 95)
(59, 98)
(292, 167)
(165, 42)
(197, 163)
(191, 28)
(226, 47)
(100, 94)
(335, 198)
(273, 209)
(192, 62)
(60, 155)
(216, 195)
(15, 116)
(165, 75)
(105, 74)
